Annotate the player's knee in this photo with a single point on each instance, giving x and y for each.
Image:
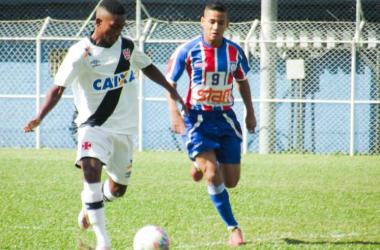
(212, 177)
(118, 190)
(92, 169)
(231, 183)
(91, 174)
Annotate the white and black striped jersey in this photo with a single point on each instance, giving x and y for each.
(103, 82)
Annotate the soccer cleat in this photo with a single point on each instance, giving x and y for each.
(196, 173)
(236, 238)
(83, 221)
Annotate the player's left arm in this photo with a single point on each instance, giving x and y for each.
(240, 76)
(245, 92)
(154, 74)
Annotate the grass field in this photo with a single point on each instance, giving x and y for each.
(281, 202)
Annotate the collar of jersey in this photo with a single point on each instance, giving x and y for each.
(210, 46)
(94, 43)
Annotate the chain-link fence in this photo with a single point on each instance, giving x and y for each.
(55, 9)
(320, 83)
(315, 84)
(240, 10)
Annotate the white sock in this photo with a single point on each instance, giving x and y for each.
(214, 190)
(92, 197)
(108, 196)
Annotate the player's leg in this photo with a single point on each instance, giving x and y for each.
(119, 168)
(216, 189)
(196, 172)
(231, 174)
(202, 147)
(92, 154)
(112, 190)
(92, 198)
(193, 140)
(207, 163)
(229, 156)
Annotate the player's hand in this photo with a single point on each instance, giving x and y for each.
(176, 97)
(31, 125)
(178, 125)
(250, 122)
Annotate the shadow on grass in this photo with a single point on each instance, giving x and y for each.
(355, 242)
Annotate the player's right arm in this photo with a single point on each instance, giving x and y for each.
(176, 66)
(66, 74)
(177, 123)
(52, 98)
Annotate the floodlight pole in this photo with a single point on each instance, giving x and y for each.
(267, 76)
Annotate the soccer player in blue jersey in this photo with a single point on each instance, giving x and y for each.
(212, 133)
(101, 69)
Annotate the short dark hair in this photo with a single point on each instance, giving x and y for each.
(217, 6)
(114, 7)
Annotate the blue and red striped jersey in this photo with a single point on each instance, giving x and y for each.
(211, 72)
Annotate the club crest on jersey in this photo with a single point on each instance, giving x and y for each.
(127, 54)
(87, 52)
(113, 82)
(233, 66)
(95, 63)
(86, 145)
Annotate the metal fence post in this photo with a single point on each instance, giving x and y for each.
(267, 75)
(247, 40)
(358, 27)
(141, 78)
(38, 77)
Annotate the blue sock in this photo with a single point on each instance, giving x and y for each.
(220, 199)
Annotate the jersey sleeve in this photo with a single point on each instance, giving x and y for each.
(242, 68)
(69, 68)
(176, 65)
(139, 59)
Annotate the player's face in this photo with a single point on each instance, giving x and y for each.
(214, 23)
(109, 28)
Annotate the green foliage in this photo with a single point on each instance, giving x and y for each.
(282, 202)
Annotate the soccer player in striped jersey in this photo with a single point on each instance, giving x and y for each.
(101, 69)
(212, 133)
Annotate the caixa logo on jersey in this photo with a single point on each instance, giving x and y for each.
(113, 82)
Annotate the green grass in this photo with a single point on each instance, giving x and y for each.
(281, 202)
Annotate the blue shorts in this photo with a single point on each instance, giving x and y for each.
(215, 130)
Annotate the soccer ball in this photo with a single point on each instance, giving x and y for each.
(151, 237)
